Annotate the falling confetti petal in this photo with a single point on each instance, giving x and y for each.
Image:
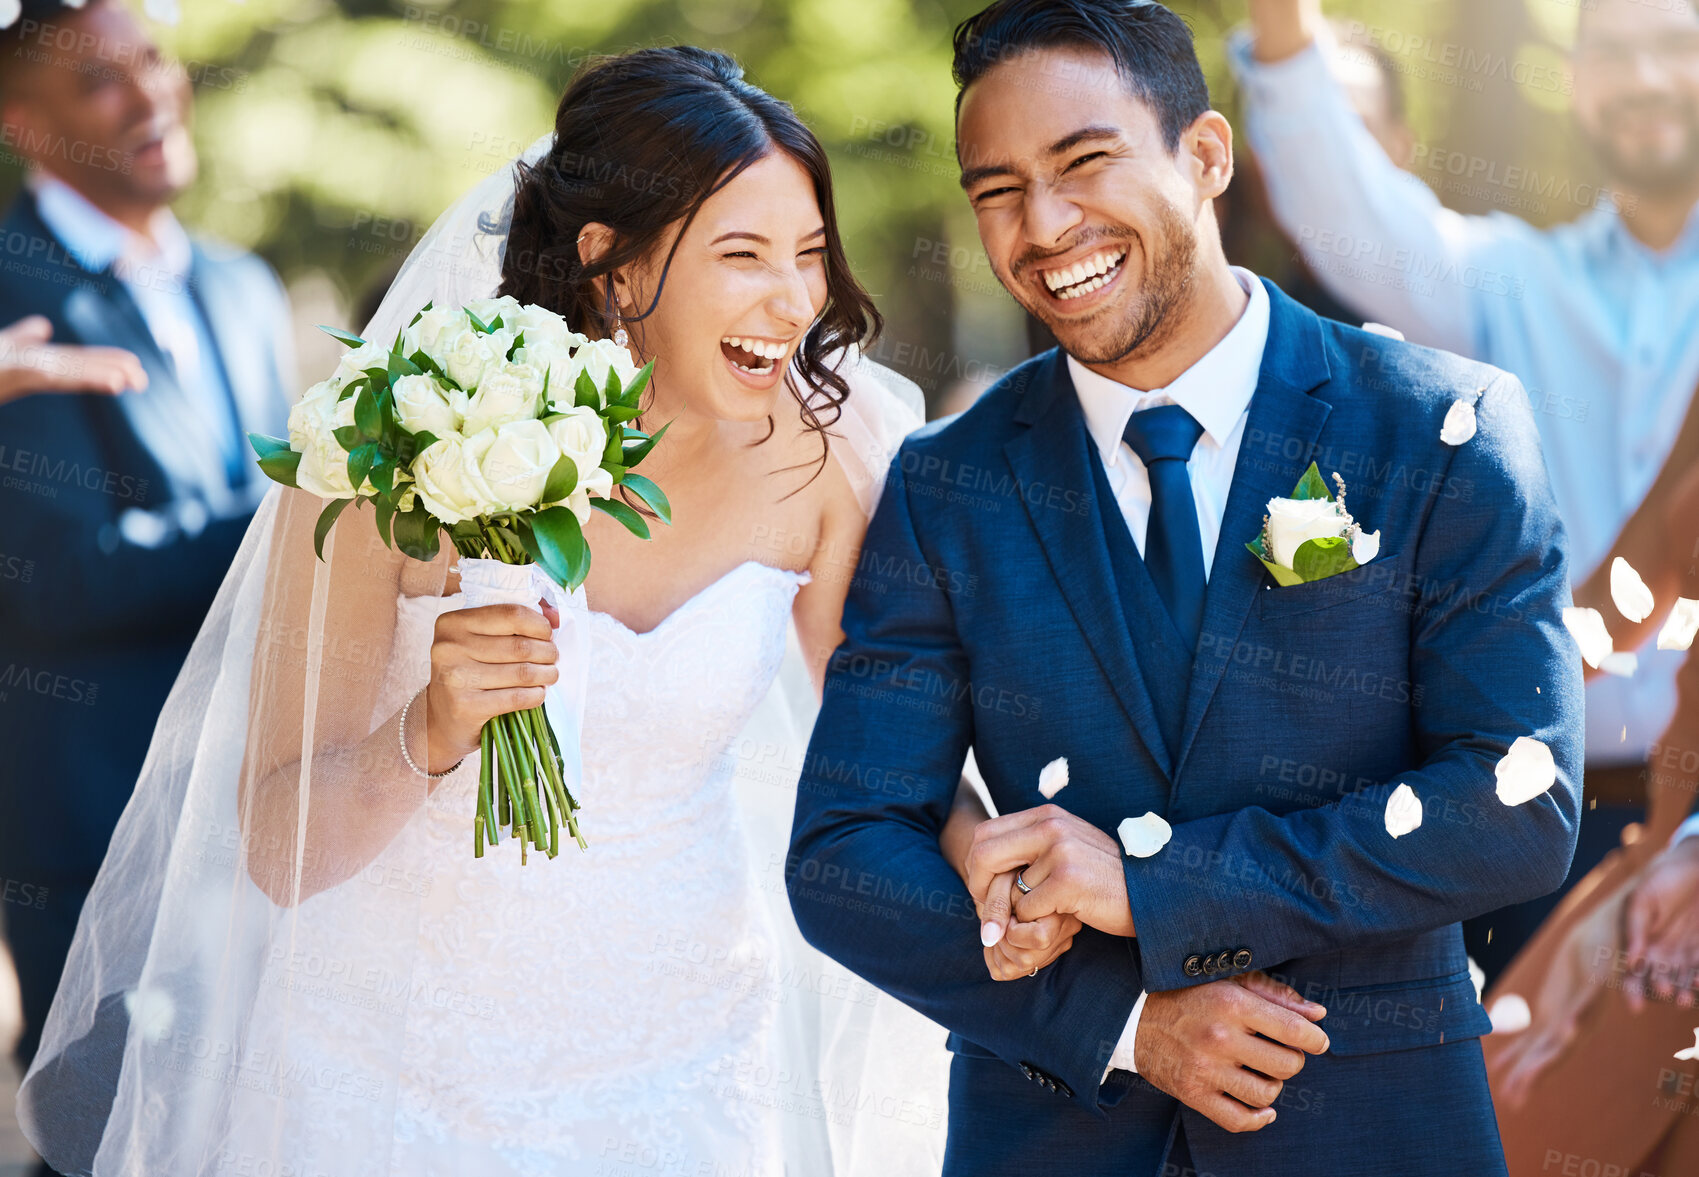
(1144, 836)
(1691, 1052)
(1383, 329)
(1459, 423)
(1587, 627)
(1526, 771)
(1365, 546)
(1621, 663)
(1403, 811)
(1054, 778)
(151, 1012)
(10, 11)
(166, 12)
(1477, 976)
(1683, 624)
(1633, 599)
(1510, 1014)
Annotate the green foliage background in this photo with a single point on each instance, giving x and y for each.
(332, 134)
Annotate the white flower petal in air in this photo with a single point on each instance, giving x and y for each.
(1510, 1014)
(165, 12)
(1477, 977)
(151, 1011)
(1365, 546)
(1459, 424)
(1690, 1053)
(1526, 771)
(1054, 778)
(10, 11)
(1587, 627)
(1403, 811)
(1683, 624)
(1621, 663)
(1144, 836)
(1383, 329)
(1633, 599)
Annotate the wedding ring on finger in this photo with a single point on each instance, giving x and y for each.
(1021, 886)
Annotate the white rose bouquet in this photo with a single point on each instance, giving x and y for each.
(1311, 536)
(499, 425)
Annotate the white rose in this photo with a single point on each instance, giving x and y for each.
(509, 392)
(439, 476)
(464, 355)
(1291, 522)
(313, 420)
(510, 466)
(600, 356)
(554, 359)
(421, 404)
(354, 363)
(489, 310)
(427, 334)
(580, 434)
(541, 325)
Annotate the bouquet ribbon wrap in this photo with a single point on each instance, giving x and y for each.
(490, 582)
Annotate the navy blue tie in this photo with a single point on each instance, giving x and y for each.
(1164, 438)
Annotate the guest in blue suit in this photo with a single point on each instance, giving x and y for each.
(119, 514)
(1278, 987)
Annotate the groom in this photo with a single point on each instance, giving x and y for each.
(1103, 495)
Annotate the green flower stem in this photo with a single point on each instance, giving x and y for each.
(507, 772)
(486, 778)
(571, 802)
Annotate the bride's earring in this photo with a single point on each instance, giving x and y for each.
(620, 337)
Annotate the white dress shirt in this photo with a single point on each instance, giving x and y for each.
(1595, 324)
(1217, 392)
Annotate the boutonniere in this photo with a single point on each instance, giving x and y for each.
(1311, 536)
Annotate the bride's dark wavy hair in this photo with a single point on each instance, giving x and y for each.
(642, 140)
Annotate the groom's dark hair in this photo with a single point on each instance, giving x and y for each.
(1150, 45)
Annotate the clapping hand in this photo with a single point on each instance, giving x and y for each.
(30, 364)
(1661, 926)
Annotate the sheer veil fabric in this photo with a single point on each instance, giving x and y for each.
(245, 968)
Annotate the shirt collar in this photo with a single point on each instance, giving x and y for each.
(1216, 390)
(97, 241)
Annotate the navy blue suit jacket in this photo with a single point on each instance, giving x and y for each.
(93, 626)
(998, 606)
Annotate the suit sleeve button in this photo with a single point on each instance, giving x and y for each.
(1193, 966)
(1242, 959)
(1211, 965)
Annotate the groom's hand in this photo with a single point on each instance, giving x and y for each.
(1227, 1048)
(1072, 867)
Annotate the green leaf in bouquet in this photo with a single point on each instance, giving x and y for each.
(624, 512)
(496, 324)
(611, 390)
(385, 509)
(614, 451)
(634, 454)
(560, 545)
(382, 474)
(400, 365)
(341, 336)
(277, 460)
(417, 315)
(585, 393)
(424, 439)
(622, 413)
(479, 325)
(615, 471)
(630, 395)
(360, 464)
(1318, 559)
(518, 342)
(563, 480)
(1311, 486)
(652, 495)
(348, 437)
(416, 533)
(1284, 577)
(327, 519)
(367, 417)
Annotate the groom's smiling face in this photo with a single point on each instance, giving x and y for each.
(1089, 220)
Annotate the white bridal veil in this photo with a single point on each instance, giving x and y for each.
(241, 905)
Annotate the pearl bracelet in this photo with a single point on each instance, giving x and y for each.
(408, 756)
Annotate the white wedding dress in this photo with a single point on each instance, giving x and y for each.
(594, 1014)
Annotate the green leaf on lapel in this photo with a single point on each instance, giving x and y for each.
(1284, 577)
(1318, 559)
(1311, 486)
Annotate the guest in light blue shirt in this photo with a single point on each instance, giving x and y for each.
(1596, 316)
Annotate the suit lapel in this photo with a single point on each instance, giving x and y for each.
(1052, 452)
(1285, 421)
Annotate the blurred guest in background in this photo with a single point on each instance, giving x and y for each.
(119, 514)
(1605, 1071)
(1594, 316)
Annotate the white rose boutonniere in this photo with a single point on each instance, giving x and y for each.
(1311, 536)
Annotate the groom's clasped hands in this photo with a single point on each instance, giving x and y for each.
(1224, 1048)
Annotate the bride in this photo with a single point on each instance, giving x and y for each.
(293, 966)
